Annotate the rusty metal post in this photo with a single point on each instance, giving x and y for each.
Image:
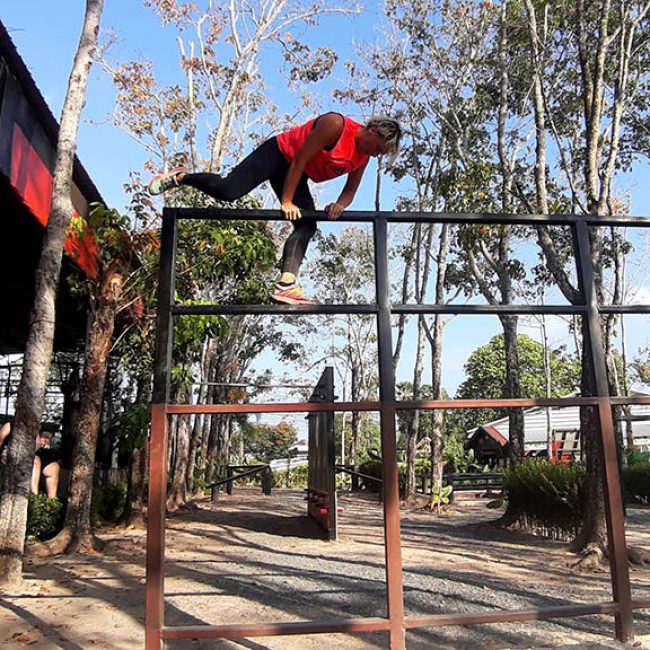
(155, 595)
(156, 508)
(390, 485)
(614, 513)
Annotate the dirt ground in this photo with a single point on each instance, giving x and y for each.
(252, 558)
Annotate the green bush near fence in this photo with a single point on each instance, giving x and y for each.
(44, 517)
(545, 497)
(107, 502)
(636, 482)
(297, 477)
(370, 467)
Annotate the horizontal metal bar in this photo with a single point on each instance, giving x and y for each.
(510, 616)
(488, 309)
(235, 477)
(624, 309)
(632, 418)
(513, 402)
(630, 399)
(216, 310)
(302, 407)
(339, 468)
(418, 217)
(308, 407)
(275, 629)
(359, 625)
(432, 405)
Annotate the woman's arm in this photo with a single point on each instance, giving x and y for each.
(5, 430)
(335, 210)
(326, 133)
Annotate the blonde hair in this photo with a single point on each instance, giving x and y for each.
(390, 130)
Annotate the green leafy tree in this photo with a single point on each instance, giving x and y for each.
(486, 377)
(108, 290)
(266, 442)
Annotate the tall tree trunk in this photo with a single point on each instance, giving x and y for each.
(177, 494)
(38, 351)
(592, 538)
(195, 446)
(435, 340)
(133, 514)
(513, 387)
(77, 533)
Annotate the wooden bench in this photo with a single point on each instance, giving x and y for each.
(474, 485)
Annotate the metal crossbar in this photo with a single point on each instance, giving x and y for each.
(395, 623)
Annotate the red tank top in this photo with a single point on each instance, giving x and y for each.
(342, 159)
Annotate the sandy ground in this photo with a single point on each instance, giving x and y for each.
(253, 559)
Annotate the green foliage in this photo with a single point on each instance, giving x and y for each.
(104, 233)
(635, 457)
(132, 425)
(485, 373)
(547, 496)
(455, 458)
(44, 517)
(225, 262)
(370, 467)
(267, 442)
(107, 502)
(440, 497)
(636, 481)
(641, 366)
(296, 477)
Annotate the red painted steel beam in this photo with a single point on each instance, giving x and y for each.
(185, 409)
(510, 616)
(356, 626)
(350, 626)
(155, 568)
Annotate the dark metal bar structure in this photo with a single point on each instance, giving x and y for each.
(395, 623)
(322, 505)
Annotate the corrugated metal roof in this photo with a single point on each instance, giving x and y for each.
(538, 420)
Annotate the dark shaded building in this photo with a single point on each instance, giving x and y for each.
(28, 136)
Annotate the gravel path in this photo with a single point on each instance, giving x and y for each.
(252, 558)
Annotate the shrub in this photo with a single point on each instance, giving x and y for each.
(297, 477)
(546, 497)
(371, 467)
(636, 481)
(107, 502)
(44, 517)
(635, 457)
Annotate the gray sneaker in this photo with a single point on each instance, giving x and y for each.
(166, 181)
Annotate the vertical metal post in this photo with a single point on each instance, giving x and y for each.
(328, 424)
(394, 586)
(165, 298)
(607, 441)
(155, 596)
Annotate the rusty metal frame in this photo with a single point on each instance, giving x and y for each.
(395, 623)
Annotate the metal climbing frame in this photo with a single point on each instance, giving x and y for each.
(395, 623)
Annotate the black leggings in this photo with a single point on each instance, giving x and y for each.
(266, 163)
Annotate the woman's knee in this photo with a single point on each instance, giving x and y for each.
(306, 227)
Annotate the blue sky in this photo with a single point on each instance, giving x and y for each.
(46, 36)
